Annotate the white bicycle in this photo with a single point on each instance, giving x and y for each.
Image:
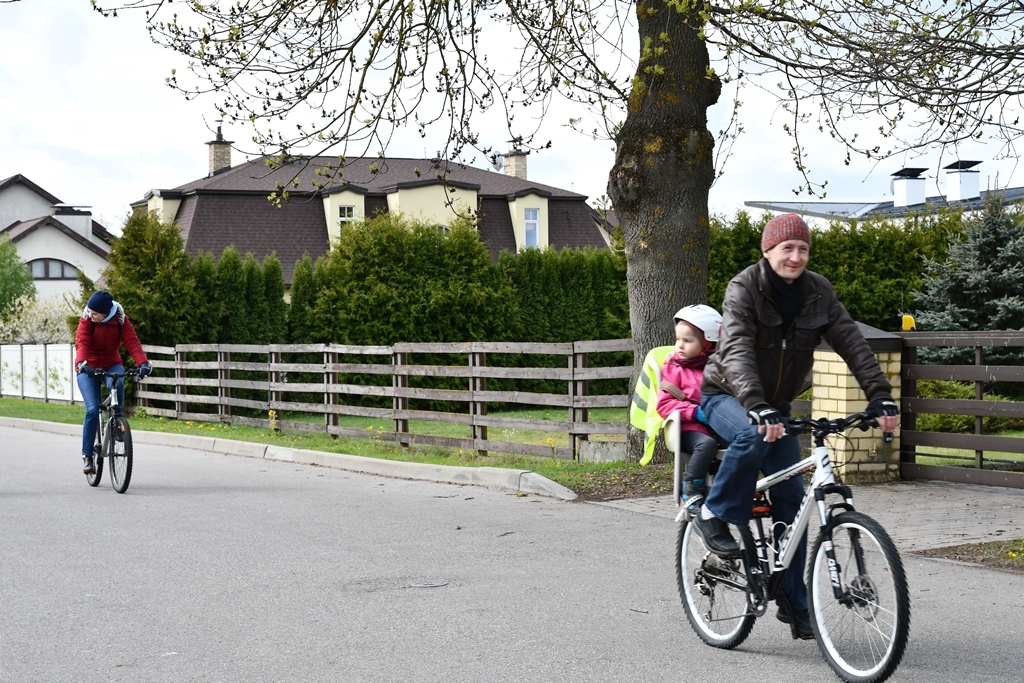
(856, 586)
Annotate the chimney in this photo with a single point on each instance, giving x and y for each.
(908, 187)
(78, 218)
(515, 163)
(961, 181)
(220, 153)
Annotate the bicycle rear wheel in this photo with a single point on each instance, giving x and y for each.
(119, 450)
(713, 591)
(97, 459)
(862, 635)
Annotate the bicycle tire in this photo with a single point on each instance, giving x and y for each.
(97, 459)
(713, 591)
(119, 451)
(863, 641)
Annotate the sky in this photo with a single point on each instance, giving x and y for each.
(86, 115)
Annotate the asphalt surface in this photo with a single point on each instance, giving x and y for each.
(215, 567)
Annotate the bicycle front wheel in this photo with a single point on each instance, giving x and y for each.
(713, 591)
(119, 451)
(864, 633)
(97, 459)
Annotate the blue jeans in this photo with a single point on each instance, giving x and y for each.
(732, 492)
(90, 388)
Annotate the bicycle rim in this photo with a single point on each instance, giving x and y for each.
(713, 591)
(120, 454)
(862, 637)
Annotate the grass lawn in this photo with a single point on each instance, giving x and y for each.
(591, 481)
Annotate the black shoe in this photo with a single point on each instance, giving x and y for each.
(800, 626)
(87, 465)
(717, 538)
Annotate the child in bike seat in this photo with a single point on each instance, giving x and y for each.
(681, 376)
(102, 329)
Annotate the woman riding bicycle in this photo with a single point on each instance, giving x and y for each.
(102, 329)
(775, 314)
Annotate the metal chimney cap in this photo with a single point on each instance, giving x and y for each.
(909, 173)
(961, 165)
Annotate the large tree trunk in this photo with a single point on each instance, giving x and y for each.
(659, 185)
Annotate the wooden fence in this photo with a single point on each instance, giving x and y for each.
(992, 470)
(233, 383)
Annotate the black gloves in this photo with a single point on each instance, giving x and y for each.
(83, 367)
(145, 370)
(883, 407)
(764, 414)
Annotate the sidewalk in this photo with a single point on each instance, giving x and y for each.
(917, 514)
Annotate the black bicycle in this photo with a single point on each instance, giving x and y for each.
(114, 436)
(856, 585)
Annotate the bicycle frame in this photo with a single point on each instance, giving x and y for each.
(769, 569)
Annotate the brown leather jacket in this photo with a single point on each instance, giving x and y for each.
(759, 363)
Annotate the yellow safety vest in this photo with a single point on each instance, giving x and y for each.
(643, 413)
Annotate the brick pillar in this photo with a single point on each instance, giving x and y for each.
(862, 456)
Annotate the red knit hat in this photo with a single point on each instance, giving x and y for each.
(788, 226)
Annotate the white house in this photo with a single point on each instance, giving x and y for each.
(55, 240)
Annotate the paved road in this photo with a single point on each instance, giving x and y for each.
(221, 568)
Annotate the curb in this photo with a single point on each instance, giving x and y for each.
(521, 481)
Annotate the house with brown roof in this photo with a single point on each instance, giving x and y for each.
(230, 205)
(56, 240)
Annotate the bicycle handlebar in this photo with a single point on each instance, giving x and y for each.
(822, 427)
(130, 372)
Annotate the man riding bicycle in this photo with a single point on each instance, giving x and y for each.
(775, 314)
(102, 329)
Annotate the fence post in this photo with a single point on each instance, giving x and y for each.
(908, 390)
(223, 391)
(400, 403)
(274, 396)
(180, 390)
(46, 373)
(979, 394)
(578, 388)
(330, 397)
(477, 359)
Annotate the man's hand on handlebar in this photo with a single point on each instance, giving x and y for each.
(770, 422)
(887, 412)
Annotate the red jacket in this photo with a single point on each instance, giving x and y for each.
(99, 344)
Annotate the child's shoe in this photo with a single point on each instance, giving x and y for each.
(693, 497)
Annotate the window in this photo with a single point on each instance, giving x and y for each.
(52, 269)
(346, 214)
(532, 220)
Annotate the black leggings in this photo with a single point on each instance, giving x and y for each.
(702, 449)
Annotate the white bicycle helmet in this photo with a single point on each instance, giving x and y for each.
(704, 318)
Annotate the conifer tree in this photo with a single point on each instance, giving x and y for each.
(303, 295)
(277, 308)
(150, 274)
(980, 284)
(256, 309)
(234, 321)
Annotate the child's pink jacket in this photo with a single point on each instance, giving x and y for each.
(687, 375)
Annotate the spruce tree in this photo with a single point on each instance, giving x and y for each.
(980, 285)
